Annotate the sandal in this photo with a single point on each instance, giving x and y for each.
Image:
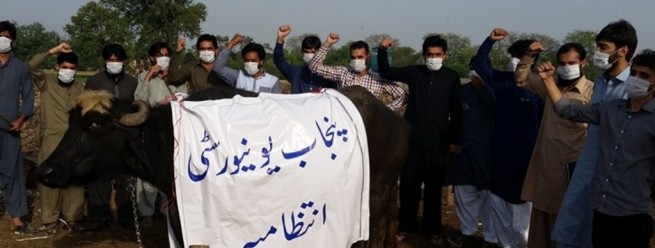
(50, 228)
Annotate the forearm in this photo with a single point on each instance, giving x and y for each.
(317, 67)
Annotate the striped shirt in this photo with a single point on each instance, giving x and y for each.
(385, 90)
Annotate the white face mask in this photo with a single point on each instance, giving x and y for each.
(601, 60)
(66, 75)
(114, 67)
(207, 57)
(434, 64)
(358, 65)
(568, 72)
(473, 74)
(5, 44)
(513, 63)
(163, 62)
(251, 68)
(636, 88)
(307, 57)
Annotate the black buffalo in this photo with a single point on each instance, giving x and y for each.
(108, 136)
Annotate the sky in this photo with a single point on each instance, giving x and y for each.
(405, 20)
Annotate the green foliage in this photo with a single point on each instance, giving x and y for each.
(33, 39)
(133, 24)
(586, 38)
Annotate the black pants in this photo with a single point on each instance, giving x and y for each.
(99, 193)
(632, 231)
(424, 165)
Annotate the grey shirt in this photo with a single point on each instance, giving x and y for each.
(625, 170)
(15, 85)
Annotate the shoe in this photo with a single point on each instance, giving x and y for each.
(436, 241)
(147, 222)
(23, 229)
(50, 228)
(90, 226)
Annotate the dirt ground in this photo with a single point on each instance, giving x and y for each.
(116, 236)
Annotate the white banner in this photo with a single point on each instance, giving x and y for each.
(272, 171)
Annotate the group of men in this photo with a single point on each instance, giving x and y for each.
(524, 162)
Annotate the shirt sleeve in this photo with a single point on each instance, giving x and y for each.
(528, 80)
(38, 75)
(220, 67)
(142, 93)
(482, 66)
(401, 74)
(571, 110)
(333, 73)
(276, 87)
(27, 93)
(280, 62)
(178, 74)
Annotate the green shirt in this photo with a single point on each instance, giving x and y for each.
(56, 100)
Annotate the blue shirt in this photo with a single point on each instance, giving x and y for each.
(15, 85)
(518, 114)
(302, 80)
(625, 164)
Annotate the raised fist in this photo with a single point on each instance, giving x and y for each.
(236, 39)
(179, 44)
(498, 34)
(535, 48)
(545, 70)
(332, 38)
(282, 32)
(61, 48)
(386, 42)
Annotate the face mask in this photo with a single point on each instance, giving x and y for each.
(513, 63)
(251, 67)
(434, 64)
(568, 72)
(66, 75)
(601, 60)
(307, 57)
(163, 62)
(5, 44)
(114, 67)
(207, 57)
(473, 74)
(358, 65)
(636, 88)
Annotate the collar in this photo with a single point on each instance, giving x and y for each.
(619, 79)
(581, 85)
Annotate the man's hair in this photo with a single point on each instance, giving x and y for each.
(645, 58)
(435, 41)
(311, 42)
(154, 49)
(207, 37)
(621, 33)
(520, 47)
(10, 27)
(572, 46)
(254, 47)
(67, 57)
(359, 45)
(114, 49)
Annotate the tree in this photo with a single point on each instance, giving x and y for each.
(94, 26)
(159, 20)
(34, 38)
(587, 39)
(404, 56)
(133, 24)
